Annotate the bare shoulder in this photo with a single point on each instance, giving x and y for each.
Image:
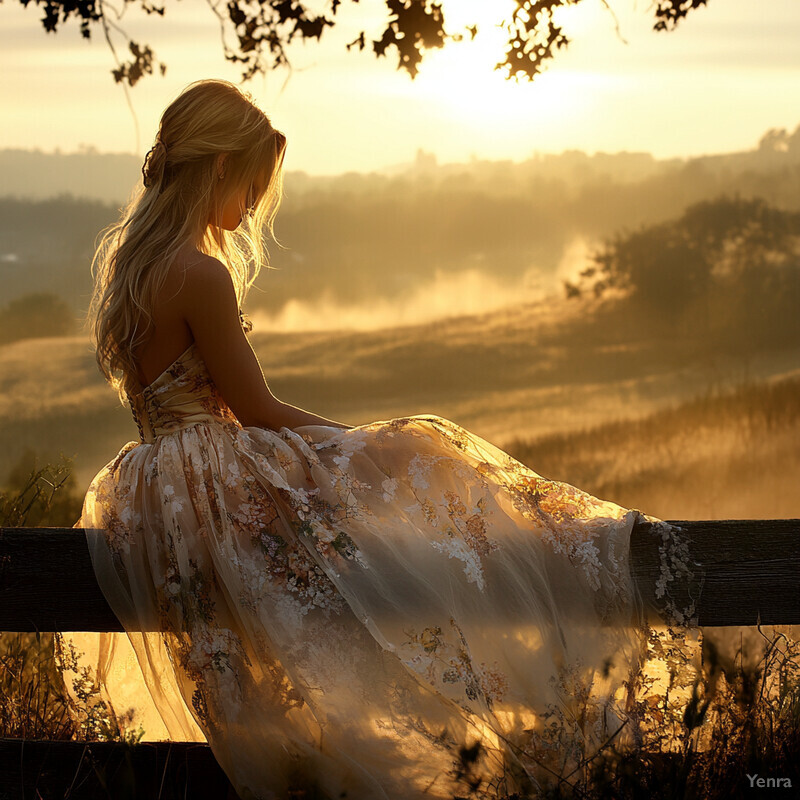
(208, 298)
(210, 309)
(203, 273)
(207, 293)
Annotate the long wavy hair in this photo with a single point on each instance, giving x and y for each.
(180, 201)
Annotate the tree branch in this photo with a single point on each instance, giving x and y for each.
(263, 30)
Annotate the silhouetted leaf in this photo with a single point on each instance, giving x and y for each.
(263, 28)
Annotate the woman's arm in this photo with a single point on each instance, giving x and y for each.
(289, 416)
(209, 306)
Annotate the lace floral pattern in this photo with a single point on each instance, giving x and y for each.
(360, 605)
(444, 660)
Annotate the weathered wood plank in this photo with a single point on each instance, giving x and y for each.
(110, 770)
(47, 583)
(748, 569)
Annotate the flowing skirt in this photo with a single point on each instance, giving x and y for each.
(399, 610)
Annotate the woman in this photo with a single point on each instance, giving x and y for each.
(353, 608)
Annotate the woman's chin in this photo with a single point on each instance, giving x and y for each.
(231, 226)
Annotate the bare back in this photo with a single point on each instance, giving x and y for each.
(169, 335)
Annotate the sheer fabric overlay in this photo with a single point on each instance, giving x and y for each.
(355, 607)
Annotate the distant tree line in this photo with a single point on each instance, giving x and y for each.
(35, 316)
(353, 237)
(727, 268)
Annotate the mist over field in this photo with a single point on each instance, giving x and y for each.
(472, 291)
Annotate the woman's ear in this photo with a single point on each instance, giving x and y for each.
(221, 165)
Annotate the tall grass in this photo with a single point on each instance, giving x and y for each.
(39, 496)
(724, 455)
(741, 720)
(34, 702)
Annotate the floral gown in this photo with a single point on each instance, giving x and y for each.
(358, 609)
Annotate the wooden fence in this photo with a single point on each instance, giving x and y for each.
(749, 571)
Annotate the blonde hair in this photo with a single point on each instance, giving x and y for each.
(180, 202)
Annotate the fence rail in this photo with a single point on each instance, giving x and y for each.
(45, 770)
(748, 571)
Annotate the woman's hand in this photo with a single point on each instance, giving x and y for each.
(288, 416)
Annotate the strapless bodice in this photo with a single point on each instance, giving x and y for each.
(182, 395)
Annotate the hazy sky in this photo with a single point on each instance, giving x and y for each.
(716, 84)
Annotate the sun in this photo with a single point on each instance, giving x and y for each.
(459, 85)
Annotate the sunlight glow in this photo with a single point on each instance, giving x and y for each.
(712, 85)
(459, 87)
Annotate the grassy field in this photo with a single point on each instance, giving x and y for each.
(644, 422)
(733, 455)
